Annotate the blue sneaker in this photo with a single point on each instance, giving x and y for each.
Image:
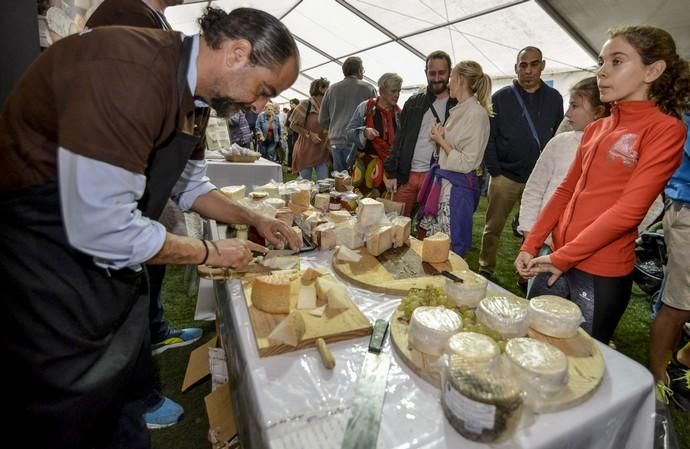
(176, 338)
(167, 414)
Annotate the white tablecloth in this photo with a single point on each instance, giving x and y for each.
(249, 174)
(297, 403)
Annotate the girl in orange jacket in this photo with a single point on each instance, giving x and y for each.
(621, 165)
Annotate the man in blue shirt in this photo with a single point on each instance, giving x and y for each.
(527, 113)
(675, 309)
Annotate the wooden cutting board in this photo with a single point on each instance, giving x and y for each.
(585, 364)
(211, 273)
(397, 270)
(331, 326)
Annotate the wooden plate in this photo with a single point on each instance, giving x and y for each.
(242, 158)
(585, 364)
(397, 270)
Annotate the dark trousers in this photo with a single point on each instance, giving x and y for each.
(158, 324)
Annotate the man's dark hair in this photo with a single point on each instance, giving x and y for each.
(438, 54)
(352, 66)
(529, 48)
(295, 101)
(272, 43)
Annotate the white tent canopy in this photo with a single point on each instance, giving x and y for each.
(396, 36)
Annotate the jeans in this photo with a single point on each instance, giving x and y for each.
(268, 150)
(321, 171)
(343, 156)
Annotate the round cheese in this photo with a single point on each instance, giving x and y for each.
(431, 327)
(554, 316)
(507, 315)
(435, 249)
(277, 203)
(541, 368)
(470, 291)
(482, 405)
(473, 348)
(271, 293)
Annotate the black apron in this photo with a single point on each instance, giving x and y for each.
(75, 343)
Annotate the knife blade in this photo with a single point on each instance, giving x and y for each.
(430, 269)
(363, 426)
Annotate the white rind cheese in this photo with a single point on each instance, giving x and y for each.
(541, 368)
(271, 293)
(505, 314)
(470, 291)
(321, 201)
(347, 234)
(431, 327)
(435, 248)
(554, 316)
(473, 348)
(370, 212)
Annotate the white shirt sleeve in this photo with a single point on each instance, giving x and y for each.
(99, 209)
(192, 184)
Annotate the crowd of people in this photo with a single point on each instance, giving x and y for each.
(83, 251)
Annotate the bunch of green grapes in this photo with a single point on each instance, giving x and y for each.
(429, 296)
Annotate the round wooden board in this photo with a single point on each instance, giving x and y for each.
(371, 274)
(585, 364)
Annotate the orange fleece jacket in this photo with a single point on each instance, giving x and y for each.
(621, 165)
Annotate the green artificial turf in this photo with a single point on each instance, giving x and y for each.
(631, 338)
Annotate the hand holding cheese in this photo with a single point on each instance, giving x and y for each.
(272, 230)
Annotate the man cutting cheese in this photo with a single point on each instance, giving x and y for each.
(95, 138)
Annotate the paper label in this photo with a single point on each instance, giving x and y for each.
(476, 415)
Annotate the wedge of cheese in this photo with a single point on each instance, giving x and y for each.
(435, 248)
(233, 192)
(318, 312)
(370, 212)
(271, 293)
(347, 234)
(289, 331)
(431, 327)
(307, 296)
(301, 197)
(380, 240)
(298, 231)
(333, 292)
(324, 236)
(345, 254)
(314, 272)
(401, 231)
(339, 216)
(321, 201)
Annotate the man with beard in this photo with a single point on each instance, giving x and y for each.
(526, 115)
(85, 174)
(413, 150)
(161, 411)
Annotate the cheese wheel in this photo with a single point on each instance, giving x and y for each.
(301, 198)
(473, 348)
(554, 316)
(507, 315)
(271, 293)
(435, 249)
(276, 203)
(541, 368)
(431, 327)
(470, 291)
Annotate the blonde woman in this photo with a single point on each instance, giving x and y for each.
(450, 193)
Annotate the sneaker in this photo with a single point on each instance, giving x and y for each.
(176, 338)
(680, 384)
(167, 414)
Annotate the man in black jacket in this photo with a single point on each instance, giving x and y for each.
(527, 113)
(413, 150)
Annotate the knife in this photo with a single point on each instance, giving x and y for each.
(428, 268)
(363, 427)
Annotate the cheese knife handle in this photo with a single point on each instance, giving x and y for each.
(326, 354)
